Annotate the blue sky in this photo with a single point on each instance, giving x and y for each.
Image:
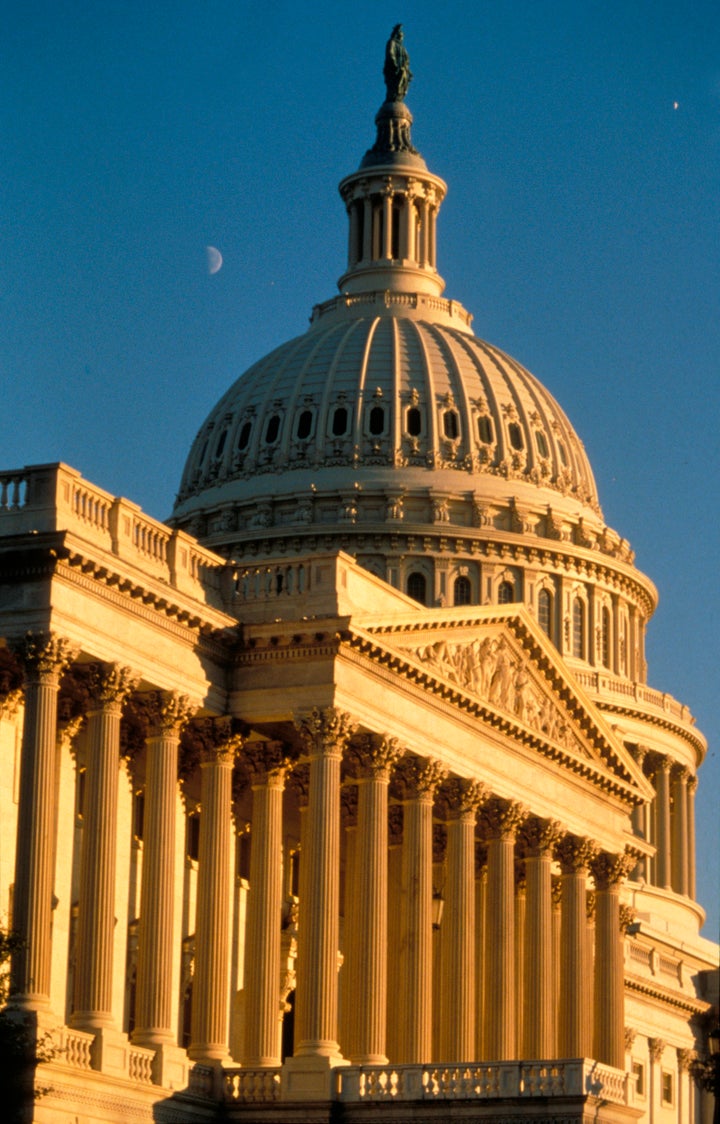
(581, 145)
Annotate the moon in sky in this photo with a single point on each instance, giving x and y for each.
(214, 259)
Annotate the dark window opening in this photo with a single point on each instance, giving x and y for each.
(193, 836)
(416, 587)
(578, 629)
(462, 591)
(139, 815)
(516, 436)
(506, 593)
(605, 637)
(340, 422)
(376, 423)
(304, 425)
(201, 458)
(485, 429)
(273, 429)
(244, 436)
(221, 443)
(545, 611)
(414, 422)
(451, 425)
(395, 249)
(542, 444)
(561, 450)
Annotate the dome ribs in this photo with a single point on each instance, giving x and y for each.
(361, 393)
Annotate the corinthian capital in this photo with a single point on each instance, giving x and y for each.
(540, 837)
(109, 685)
(45, 655)
(266, 762)
(213, 740)
(502, 818)
(419, 777)
(610, 870)
(166, 711)
(325, 733)
(575, 854)
(373, 755)
(461, 798)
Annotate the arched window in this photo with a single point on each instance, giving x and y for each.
(485, 429)
(542, 443)
(506, 593)
(376, 422)
(221, 443)
(273, 429)
(304, 425)
(545, 611)
(340, 422)
(201, 458)
(451, 425)
(516, 436)
(244, 436)
(462, 591)
(578, 636)
(563, 454)
(414, 422)
(605, 637)
(417, 586)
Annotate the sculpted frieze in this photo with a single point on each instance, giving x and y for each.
(491, 669)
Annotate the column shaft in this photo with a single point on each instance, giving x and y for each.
(662, 822)
(538, 1025)
(209, 1021)
(692, 786)
(457, 1043)
(416, 942)
(387, 226)
(45, 658)
(367, 229)
(679, 827)
(499, 1037)
(573, 1038)
(609, 989)
(371, 921)
(264, 917)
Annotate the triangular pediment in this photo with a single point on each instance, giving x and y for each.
(498, 664)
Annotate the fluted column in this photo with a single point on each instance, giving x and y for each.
(462, 799)
(325, 734)
(395, 854)
(167, 711)
(109, 686)
(501, 820)
(575, 855)
(662, 820)
(387, 199)
(419, 780)
(267, 763)
(218, 747)
(373, 758)
(679, 830)
(556, 898)
(691, 789)
(348, 975)
(480, 911)
(609, 991)
(539, 839)
(367, 229)
(44, 656)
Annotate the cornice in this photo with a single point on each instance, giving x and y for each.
(666, 996)
(695, 740)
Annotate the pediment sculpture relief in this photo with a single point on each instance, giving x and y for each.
(491, 669)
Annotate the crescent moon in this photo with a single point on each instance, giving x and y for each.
(214, 259)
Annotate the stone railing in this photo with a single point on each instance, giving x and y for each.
(252, 1086)
(72, 1047)
(601, 682)
(201, 1080)
(387, 298)
(54, 497)
(577, 1077)
(140, 1062)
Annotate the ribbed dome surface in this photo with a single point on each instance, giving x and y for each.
(390, 401)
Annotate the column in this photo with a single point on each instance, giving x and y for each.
(374, 757)
(685, 1060)
(679, 830)
(520, 942)
(367, 229)
(574, 855)
(354, 248)
(539, 840)
(419, 779)
(210, 1003)
(462, 799)
(267, 764)
(609, 991)
(325, 734)
(639, 813)
(656, 1049)
(556, 897)
(501, 820)
(387, 198)
(44, 656)
(167, 711)
(348, 982)
(424, 232)
(691, 789)
(662, 820)
(480, 910)
(109, 686)
(395, 853)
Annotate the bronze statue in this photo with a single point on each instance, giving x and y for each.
(396, 70)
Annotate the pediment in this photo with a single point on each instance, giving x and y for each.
(501, 666)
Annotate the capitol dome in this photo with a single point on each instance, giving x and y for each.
(390, 431)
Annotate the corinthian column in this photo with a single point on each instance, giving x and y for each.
(609, 1009)
(109, 686)
(679, 830)
(575, 856)
(540, 838)
(325, 734)
(662, 821)
(692, 787)
(501, 820)
(209, 1022)
(167, 711)
(44, 657)
(462, 799)
(419, 779)
(268, 765)
(373, 758)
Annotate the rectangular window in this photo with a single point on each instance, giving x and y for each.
(638, 1072)
(667, 1088)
